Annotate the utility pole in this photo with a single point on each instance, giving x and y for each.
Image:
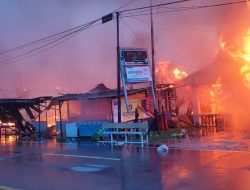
(118, 69)
(152, 43)
(105, 19)
(39, 120)
(153, 61)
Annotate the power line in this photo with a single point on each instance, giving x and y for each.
(51, 37)
(184, 9)
(191, 28)
(154, 6)
(186, 56)
(177, 63)
(50, 41)
(58, 34)
(158, 8)
(133, 33)
(36, 42)
(122, 6)
(42, 48)
(54, 39)
(55, 42)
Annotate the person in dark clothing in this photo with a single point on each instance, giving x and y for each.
(136, 115)
(136, 119)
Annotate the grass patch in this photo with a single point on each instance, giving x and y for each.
(61, 139)
(170, 133)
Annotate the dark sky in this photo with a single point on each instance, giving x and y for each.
(189, 39)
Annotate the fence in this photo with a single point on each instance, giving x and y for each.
(212, 120)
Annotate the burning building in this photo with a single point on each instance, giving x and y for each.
(223, 86)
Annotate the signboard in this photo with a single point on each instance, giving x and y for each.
(138, 74)
(107, 18)
(134, 66)
(135, 56)
(130, 114)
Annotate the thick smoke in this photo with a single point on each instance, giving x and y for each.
(236, 102)
(233, 99)
(89, 58)
(74, 66)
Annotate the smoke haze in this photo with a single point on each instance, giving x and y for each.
(187, 38)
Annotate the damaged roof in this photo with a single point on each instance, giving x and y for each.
(24, 102)
(96, 95)
(100, 91)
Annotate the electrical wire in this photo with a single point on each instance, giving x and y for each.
(158, 8)
(43, 48)
(184, 56)
(45, 39)
(177, 9)
(155, 6)
(36, 42)
(191, 28)
(53, 40)
(49, 42)
(134, 34)
(124, 5)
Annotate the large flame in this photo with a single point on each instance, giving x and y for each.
(179, 74)
(216, 88)
(241, 54)
(168, 73)
(216, 93)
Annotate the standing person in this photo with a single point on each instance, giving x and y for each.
(136, 115)
(136, 120)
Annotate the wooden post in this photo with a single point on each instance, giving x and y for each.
(39, 120)
(164, 119)
(60, 115)
(46, 117)
(118, 68)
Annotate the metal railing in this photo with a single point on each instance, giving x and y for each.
(212, 120)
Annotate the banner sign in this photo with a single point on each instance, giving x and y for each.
(127, 115)
(135, 56)
(138, 74)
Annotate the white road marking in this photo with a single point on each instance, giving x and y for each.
(82, 156)
(97, 166)
(3, 187)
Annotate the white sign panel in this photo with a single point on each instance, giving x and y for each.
(138, 74)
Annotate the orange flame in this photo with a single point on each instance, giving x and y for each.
(167, 73)
(242, 55)
(216, 88)
(179, 74)
(216, 93)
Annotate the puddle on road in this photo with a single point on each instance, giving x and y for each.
(85, 169)
(6, 155)
(89, 168)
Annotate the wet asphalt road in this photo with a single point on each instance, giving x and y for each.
(81, 166)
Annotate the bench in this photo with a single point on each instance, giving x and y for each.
(120, 133)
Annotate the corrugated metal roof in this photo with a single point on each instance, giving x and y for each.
(97, 95)
(22, 102)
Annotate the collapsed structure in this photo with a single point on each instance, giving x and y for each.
(50, 115)
(12, 111)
